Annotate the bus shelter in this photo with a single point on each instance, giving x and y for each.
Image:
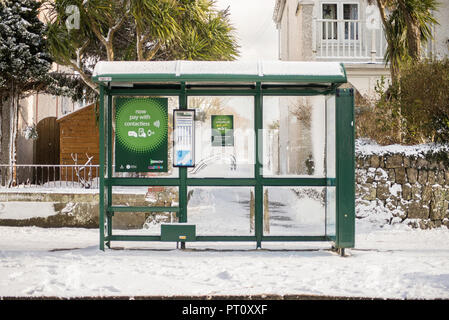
(227, 151)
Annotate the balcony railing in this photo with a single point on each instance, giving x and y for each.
(347, 40)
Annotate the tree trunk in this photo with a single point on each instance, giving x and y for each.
(14, 115)
(414, 41)
(4, 151)
(266, 213)
(1, 128)
(413, 32)
(251, 212)
(86, 79)
(139, 44)
(394, 73)
(110, 50)
(3, 107)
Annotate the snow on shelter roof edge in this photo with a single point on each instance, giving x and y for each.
(139, 71)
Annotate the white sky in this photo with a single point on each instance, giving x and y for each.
(256, 31)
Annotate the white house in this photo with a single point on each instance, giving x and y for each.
(348, 31)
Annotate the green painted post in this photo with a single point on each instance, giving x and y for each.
(101, 172)
(109, 163)
(183, 170)
(258, 197)
(345, 220)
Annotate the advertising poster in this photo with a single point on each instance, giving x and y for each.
(222, 130)
(141, 134)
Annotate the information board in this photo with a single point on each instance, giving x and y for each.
(184, 138)
(141, 134)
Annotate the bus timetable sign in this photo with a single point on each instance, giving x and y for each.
(141, 134)
(222, 130)
(184, 138)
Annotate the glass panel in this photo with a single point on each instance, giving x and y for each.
(224, 137)
(331, 207)
(330, 136)
(329, 27)
(350, 12)
(148, 223)
(106, 134)
(294, 211)
(173, 103)
(330, 30)
(227, 211)
(294, 136)
(330, 163)
(330, 11)
(104, 223)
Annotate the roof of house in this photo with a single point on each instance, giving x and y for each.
(278, 9)
(218, 71)
(74, 112)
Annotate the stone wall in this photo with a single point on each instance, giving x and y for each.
(71, 209)
(412, 188)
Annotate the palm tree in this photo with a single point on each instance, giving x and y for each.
(407, 25)
(141, 30)
(417, 15)
(155, 24)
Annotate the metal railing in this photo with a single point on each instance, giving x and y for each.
(347, 39)
(49, 176)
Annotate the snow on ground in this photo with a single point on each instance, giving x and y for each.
(389, 261)
(23, 210)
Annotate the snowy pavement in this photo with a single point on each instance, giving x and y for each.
(392, 261)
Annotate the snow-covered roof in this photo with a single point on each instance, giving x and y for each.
(263, 71)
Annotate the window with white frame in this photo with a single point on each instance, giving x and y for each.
(340, 20)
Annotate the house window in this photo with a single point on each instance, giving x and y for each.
(351, 17)
(330, 26)
(340, 18)
(66, 105)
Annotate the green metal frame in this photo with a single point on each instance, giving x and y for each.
(344, 181)
(345, 220)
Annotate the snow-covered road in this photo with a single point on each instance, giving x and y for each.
(392, 261)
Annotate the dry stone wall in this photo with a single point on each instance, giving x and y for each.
(413, 187)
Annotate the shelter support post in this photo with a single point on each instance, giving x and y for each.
(258, 198)
(345, 219)
(101, 171)
(183, 170)
(109, 169)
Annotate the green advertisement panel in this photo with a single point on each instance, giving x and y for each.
(141, 134)
(222, 130)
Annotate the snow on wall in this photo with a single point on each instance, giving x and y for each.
(365, 147)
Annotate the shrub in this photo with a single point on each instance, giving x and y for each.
(379, 118)
(424, 99)
(415, 111)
